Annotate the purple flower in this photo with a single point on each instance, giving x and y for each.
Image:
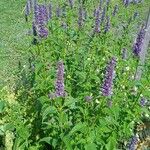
(137, 47)
(58, 11)
(43, 32)
(49, 11)
(71, 3)
(64, 11)
(41, 18)
(103, 14)
(27, 10)
(124, 53)
(132, 143)
(94, 13)
(109, 76)
(115, 11)
(135, 15)
(100, 4)
(88, 98)
(107, 4)
(80, 17)
(97, 21)
(31, 4)
(34, 30)
(126, 2)
(143, 102)
(107, 26)
(59, 85)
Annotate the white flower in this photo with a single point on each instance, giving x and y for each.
(97, 101)
(128, 68)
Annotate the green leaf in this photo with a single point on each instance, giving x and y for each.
(48, 110)
(90, 146)
(46, 139)
(8, 126)
(67, 142)
(111, 145)
(2, 105)
(79, 127)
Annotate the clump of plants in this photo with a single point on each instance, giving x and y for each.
(77, 90)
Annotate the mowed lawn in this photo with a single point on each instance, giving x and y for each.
(13, 39)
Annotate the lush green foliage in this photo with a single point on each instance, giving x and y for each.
(34, 121)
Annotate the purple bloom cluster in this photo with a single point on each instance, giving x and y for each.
(132, 143)
(107, 4)
(107, 26)
(126, 2)
(135, 15)
(94, 13)
(49, 11)
(109, 76)
(71, 3)
(27, 10)
(137, 47)
(124, 53)
(115, 11)
(143, 102)
(59, 86)
(80, 18)
(103, 14)
(41, 18)
(58, 12)
(97, 21)
(31, 4)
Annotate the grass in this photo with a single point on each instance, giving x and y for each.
(14, 40)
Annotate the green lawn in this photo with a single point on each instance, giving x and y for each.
(13, 38)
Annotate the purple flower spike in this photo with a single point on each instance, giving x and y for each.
(132, 143)
(27, 10)
(107, 26)
(94, 13)
(100, 4)
(124, 54)
(49, 11)
(41, 18)
(107, 4)
(59, 86)
(109, 76)
(103, 14)
(97, 21)
(126, 2)
(115, 11)
(80, 18)
(135, 15)
(71, 3)
(58, 12)
(31, 4)
(137, 47)
(43, 32)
